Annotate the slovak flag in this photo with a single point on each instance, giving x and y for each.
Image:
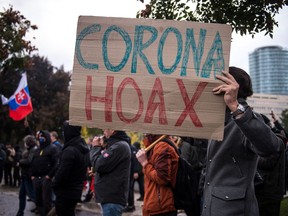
(20, 104)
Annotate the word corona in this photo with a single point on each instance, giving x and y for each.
(144, 37)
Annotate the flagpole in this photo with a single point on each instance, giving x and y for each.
(179, 140)
(154, 143)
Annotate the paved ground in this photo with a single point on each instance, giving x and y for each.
(9, 205)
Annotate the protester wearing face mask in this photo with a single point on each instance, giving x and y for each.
(42, 170)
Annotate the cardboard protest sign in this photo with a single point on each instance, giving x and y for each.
(152, 76)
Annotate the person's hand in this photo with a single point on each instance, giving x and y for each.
(97, 141)
(26, 123)
(135, 175)
(90, 172)
(32, 177)
(47, 177)
(37, 135)
(273, 116)
(142, 157)
(229, 88)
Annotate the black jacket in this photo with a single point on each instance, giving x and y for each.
(112, 166)
(272, 170)
(45, 158)
(3, 154)
(134, 168)
(74, 161)
(26, 160)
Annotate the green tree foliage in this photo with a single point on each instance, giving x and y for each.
(48, 86)
(245, 17)
(284, 119)
(13, 46)
(49, 90)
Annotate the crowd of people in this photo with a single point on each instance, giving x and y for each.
(244, 174)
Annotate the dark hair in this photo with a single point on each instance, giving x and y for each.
(137, 145)
(70, 131)
(244, 81)
(30, 140)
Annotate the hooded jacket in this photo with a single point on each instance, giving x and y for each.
(159, 175)
(44, 160)
(74, 161)
(112, 166)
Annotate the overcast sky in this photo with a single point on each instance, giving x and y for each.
(57, 23)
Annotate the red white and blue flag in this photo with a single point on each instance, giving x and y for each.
(19, 103)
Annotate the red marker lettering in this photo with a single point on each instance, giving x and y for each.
(107, 99)
(189, 109)
(119, 111)
(152, 106)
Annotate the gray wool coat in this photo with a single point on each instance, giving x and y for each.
(231, 166)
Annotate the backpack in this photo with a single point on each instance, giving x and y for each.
(186, 185)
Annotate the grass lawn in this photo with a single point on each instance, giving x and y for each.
(284, 207)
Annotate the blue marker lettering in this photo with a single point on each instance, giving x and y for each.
(197, 51)
(160, 50)
(139, 46)
(86, 31)
(217, 62)
(128, 50)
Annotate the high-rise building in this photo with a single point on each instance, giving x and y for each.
(268, 68)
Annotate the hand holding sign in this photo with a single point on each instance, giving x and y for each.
(230, 90)
(142, 157)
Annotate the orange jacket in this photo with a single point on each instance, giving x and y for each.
(159, 177)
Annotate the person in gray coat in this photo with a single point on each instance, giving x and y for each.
(231, 163)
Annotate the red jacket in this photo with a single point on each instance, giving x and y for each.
(159, 177)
